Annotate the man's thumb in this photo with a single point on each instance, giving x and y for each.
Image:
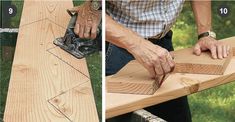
(197, 49)
(74, 9)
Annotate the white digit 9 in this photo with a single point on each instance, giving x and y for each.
(10, 10)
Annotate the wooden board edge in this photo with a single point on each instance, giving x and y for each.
(118, 110)
(126, 88)
(198, 69)
(230, 56)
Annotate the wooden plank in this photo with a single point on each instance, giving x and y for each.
(76, 103)
(134, 78)
(69, 59)
(187, 62)
(51, 10)
(176, 85)
(38, 75)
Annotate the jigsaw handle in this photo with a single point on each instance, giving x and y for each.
(73, 19)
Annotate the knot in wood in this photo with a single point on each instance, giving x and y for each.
(192, 85)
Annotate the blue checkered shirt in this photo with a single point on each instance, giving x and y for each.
(149, 18)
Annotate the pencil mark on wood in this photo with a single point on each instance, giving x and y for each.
(61, 112)
(32, 22)
(64, 103)
(56, 24)
(61, 59)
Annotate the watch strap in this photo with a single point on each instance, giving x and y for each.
(205, 34)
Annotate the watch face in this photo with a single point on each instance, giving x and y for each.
(95, 5)
(212, 34)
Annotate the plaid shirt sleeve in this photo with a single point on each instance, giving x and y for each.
(149, 18)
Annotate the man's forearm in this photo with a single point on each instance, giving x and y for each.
(120, 35)
(202, 14)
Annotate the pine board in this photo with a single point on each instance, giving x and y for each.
(69, 59)
(45, 9)
(176, 85)
(134, 78)
(78, 97)
(187, 62)
(42, 71)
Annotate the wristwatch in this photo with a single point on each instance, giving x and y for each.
(206, 34)
(96, 4)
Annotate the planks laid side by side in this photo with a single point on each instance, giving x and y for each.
(176, 85)
(41, 71)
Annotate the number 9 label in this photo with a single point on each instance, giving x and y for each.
(10, 11)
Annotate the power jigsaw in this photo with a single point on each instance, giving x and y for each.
(74, 45)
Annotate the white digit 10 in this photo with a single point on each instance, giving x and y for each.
(10, 10)
(223, 10)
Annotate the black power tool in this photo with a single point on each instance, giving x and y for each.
(74, 45)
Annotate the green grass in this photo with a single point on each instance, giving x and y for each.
(5, 70)
(214, 105)
(95, 70)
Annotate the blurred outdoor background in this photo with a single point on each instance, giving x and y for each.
(213, 105)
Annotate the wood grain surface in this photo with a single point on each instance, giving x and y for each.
(42, 71)
(176, 85)
(187, 62)
(76, 103)
(134, 78)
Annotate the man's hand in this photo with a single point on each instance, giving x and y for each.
(157, 60)
(217, 49)
(87, 21)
